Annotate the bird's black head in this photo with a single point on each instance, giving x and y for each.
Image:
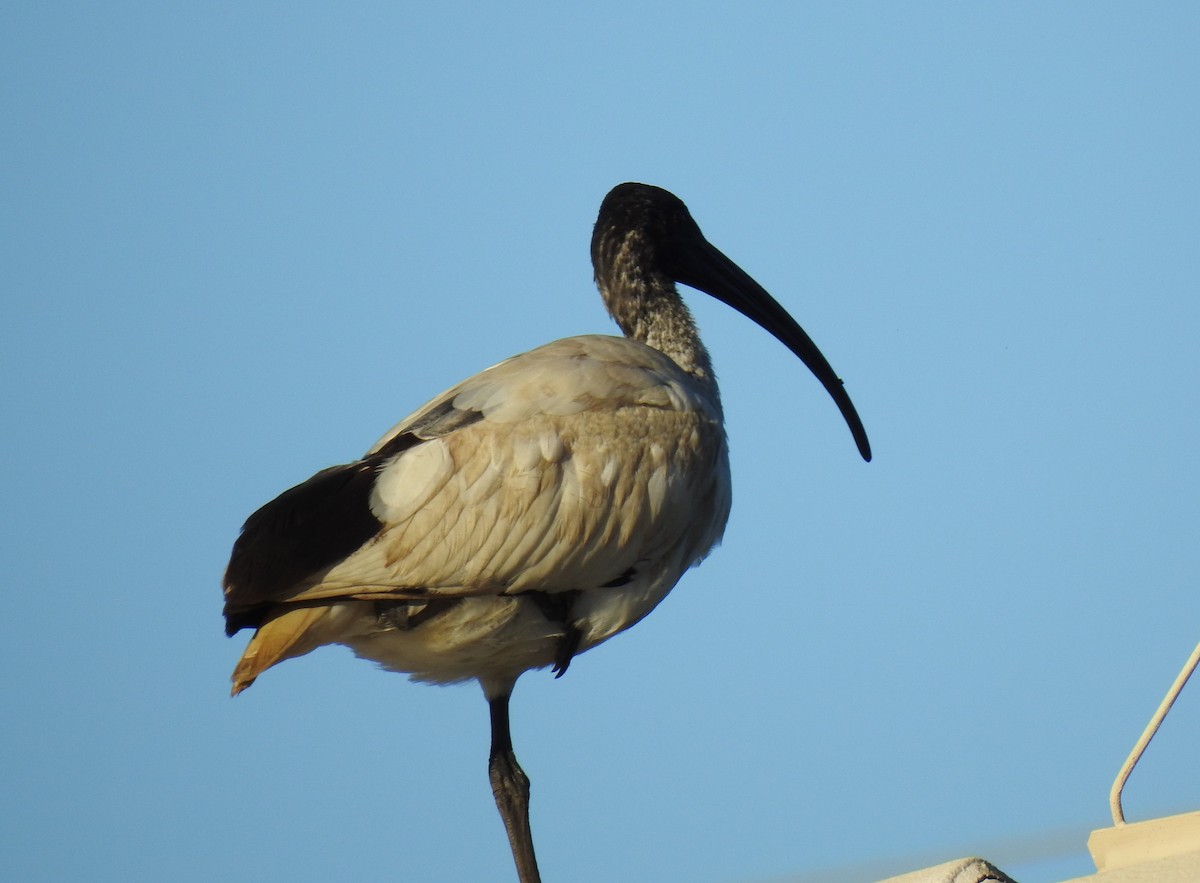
(645, 240)
(642, 229)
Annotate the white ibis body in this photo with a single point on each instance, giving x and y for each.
(531, 512)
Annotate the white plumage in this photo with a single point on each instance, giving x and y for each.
(590, 458)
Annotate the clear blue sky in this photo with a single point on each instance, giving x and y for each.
(241, 240)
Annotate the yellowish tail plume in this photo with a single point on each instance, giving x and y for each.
(285, 636)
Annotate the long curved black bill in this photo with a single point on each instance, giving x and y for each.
(710, 271)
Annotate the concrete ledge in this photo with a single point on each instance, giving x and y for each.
(1126, 845)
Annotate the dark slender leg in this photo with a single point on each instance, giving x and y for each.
(510, 786)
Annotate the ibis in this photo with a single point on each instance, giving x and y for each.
(534, 510)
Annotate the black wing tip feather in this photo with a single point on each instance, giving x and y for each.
(317, 524)
(305, 530)
(242, 619)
